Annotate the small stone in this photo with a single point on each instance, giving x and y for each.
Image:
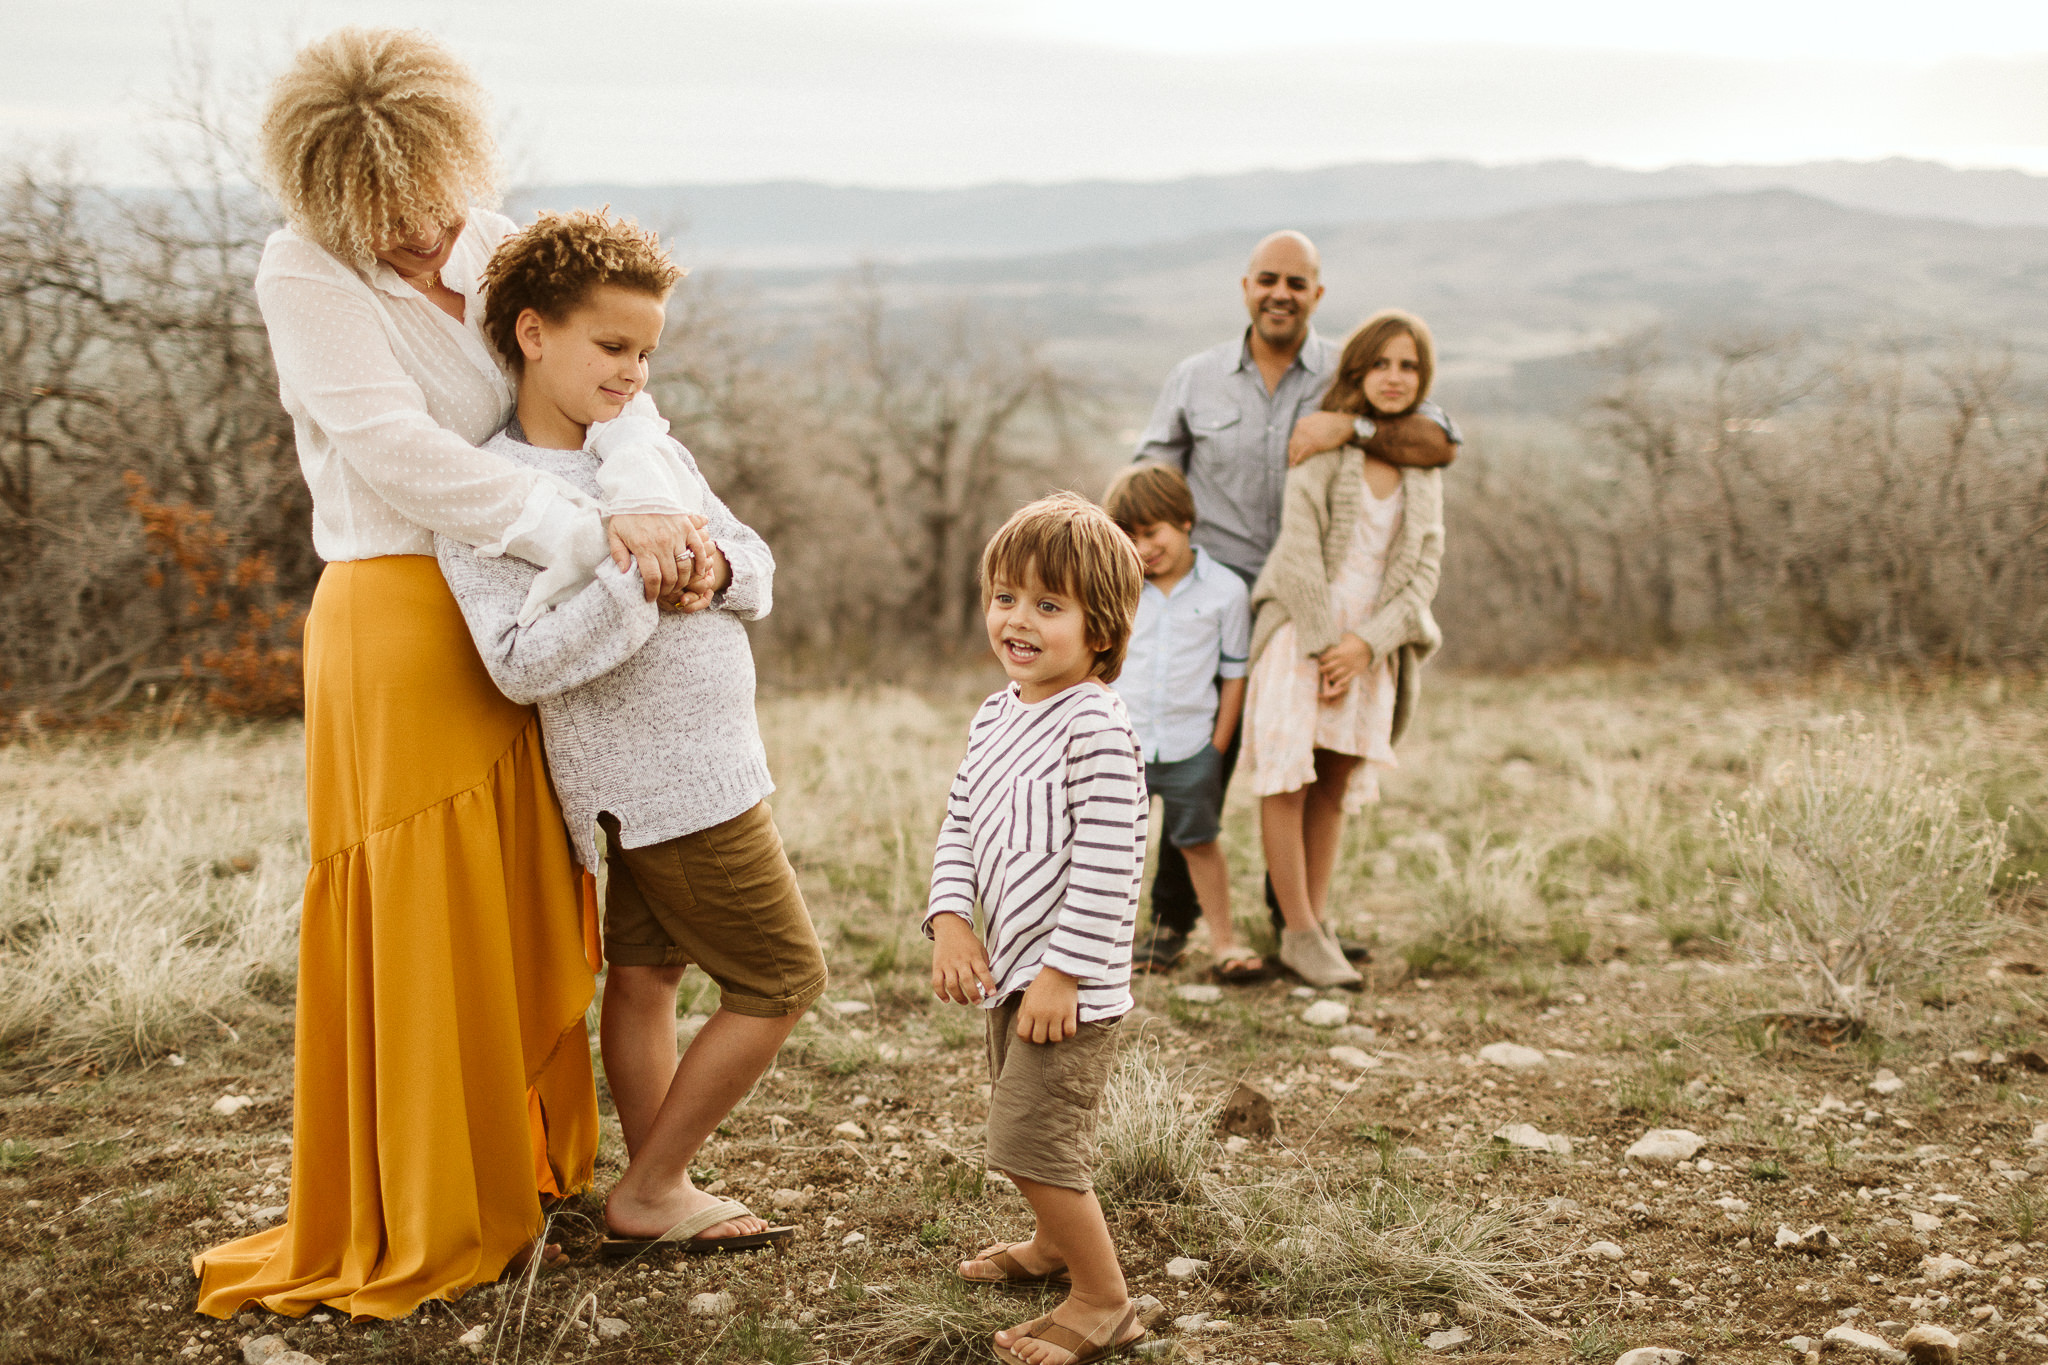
(1235, 1144)
(1150, 1311)
(1945, 1267)
(1815, 1239)
(1447, 1340)
(1799, 1345)
(709, 1305)
(1513, 1056)
(1248, 1112)
(1665, 1146)
(1303, 992)
(849, 1007)
(1326, 1014)
(853, 1239)
(1609, 1251)
(611, 1329)
(1191, 1322)
(268, 1215)
(173, 1059)
(1886, 1082)
(788, 1199)
(1927, 1344)
(1656, 1355)
(1198, 994)
(852, 1130)
(1529, 1137)
(1863, 1343)
(227, 1106)
(260, 1350)
(1731, 1204)
(473, 1339)
(1355, 1057)
(1184, 1268)
(1926, 1222)
(1639, 1278)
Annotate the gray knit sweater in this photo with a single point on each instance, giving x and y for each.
(1325, 494)
(648, 714)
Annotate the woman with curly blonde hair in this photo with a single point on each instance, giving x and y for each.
(443, 1084)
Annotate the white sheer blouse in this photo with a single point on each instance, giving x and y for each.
(390, 399)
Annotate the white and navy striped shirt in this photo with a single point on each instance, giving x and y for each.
(1045, 827)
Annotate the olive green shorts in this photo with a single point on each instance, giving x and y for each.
(724, 898)
(1041, 1109)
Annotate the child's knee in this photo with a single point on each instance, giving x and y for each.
(640, 983)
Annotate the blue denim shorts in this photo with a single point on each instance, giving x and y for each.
(1192, 789)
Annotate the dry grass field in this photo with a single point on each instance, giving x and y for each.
(1795, 917)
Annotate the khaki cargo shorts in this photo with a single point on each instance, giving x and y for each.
(724, 898)
(1041, 1109)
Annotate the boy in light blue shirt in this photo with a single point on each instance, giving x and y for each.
(1183, 684)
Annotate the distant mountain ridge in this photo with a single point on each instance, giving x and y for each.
(801, 223)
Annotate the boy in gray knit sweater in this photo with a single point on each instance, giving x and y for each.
(648, 712)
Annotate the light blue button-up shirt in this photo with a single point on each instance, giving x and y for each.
(1181, 643)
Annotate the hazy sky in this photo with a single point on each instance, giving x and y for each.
(872, 92)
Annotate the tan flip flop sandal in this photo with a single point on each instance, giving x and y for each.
(1086, 1350)
(683, 1236)
(1013, 1269)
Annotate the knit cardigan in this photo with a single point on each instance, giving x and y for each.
(1319, 515)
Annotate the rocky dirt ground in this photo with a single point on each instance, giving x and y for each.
(1827, 1179)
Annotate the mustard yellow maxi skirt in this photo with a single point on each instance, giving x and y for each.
(443, 1078)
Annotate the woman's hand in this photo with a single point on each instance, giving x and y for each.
(1341, 664)
(658, 543)
(1318, 432)
(711, 574)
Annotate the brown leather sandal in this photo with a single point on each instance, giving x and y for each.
(1085, 1350)
(1013, 1269)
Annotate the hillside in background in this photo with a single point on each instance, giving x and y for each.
(803, 223)
(1515, 297)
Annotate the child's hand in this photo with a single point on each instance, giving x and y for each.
(1341, 663)
(959, 962)
(1050, 1011)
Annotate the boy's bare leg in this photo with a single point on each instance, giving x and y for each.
(1281, 820)
(1322, 824)
(1210, 873)
(728, 1055)
(636, 1032)
(1071, 1231)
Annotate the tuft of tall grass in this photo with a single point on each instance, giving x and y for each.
(1151, 1148)
(149, 892)
(933, 1318)
(1476, 904)
(1864, 866)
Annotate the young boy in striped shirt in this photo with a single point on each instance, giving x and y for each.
(1045, 830)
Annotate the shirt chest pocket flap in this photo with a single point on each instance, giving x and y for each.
(1213, 423)
(1039, 822)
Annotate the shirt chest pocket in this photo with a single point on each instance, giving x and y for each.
(1039, 822)
(1211, 426)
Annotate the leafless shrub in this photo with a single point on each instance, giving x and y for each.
(1760, 497)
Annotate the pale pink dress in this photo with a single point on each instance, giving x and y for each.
(1288, 722)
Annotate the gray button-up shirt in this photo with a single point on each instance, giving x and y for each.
(1216, 423)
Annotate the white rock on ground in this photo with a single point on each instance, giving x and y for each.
(1150, 1311)
(292, 1358)
(1607, 1251)
(1513, 1056)
(844, 1007)
(1447, 1340)
(259, 1350)
(1886, 1082)
(1198, 994)
(1191, 1322)
(227, 1106)
(473, 1338)
(1815, 1238)
(1863, 1343)
(1945, 1267)
(1656, 1355)
(1927, 1344)
(788, 1199)
(853, 1239)
(1801, 1344)
(611, 1329)
(1358, 1035)
(850, 1129)
(1184, 1268)
(1326, 1014)
(1356, 1057)
(711, 1305)
(2040, 1137)
(1529, 1137)
(1665, 1146)
(1926, 1222)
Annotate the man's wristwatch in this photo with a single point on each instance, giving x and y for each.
(1364, 427)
